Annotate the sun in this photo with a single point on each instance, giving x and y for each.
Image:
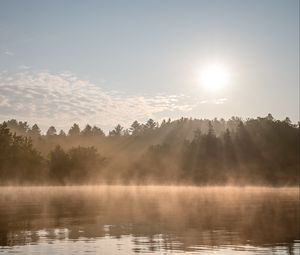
(214, 77)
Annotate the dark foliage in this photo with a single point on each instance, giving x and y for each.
(260, 151)
(19, 161)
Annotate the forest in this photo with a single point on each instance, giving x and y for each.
(186, 151)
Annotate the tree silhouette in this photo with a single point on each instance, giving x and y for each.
(74, 130)
(117, 131)
(194, 151)
(135, 128)
(51, 131)
(150, 124)
(96, 131)
(19, 161)
(62, 133)
(35, 131)
(87, 131)
(59, 166)
(18, 127)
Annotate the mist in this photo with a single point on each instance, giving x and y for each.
(191, 219)
(261, 151)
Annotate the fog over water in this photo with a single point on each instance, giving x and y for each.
(149, 219)
(149, 127)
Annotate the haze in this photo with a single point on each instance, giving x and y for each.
(108, 62)
(149, 127)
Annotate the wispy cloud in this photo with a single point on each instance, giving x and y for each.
(24, 67)
(63, 99)
(214, 101)
(9, 53)
(4, 101)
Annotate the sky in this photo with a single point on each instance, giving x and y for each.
(110, 62)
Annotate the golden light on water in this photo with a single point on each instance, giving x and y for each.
(214, 77)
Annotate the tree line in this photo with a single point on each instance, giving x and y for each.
(260, 151)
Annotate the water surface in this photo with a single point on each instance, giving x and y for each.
(149, 220)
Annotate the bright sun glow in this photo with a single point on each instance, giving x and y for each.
(214, 77)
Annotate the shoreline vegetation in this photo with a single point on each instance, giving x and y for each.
(184, 152)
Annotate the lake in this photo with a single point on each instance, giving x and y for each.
(149, 220)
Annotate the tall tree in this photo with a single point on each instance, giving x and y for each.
(35, 131)
(18, 127)
(151, 124)
(62, 133)
(135, 128)
(96, 131)
(117, 131)
(51, 131)
(87, 131)
(74, 130)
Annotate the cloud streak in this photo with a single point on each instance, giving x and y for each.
(214, 101)
(9, 53)
(63, 99)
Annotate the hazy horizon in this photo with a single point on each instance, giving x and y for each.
(149, 127)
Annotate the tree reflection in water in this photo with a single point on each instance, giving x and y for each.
(152, 219)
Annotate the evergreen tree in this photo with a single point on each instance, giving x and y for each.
(51, 131)
(74, 130)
